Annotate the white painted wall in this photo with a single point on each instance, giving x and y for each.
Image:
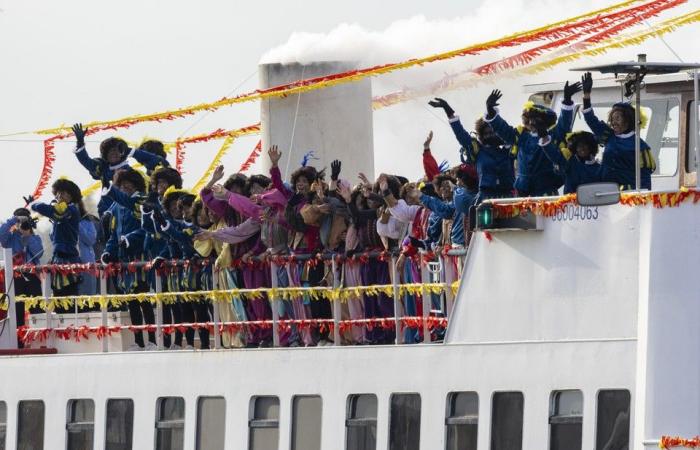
(336, 123)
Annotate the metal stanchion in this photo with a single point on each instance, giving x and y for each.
(274, 306)
(159, 313)
(46, 293)
(216, 319)
(397, 300)
(336, 304)
(103, 309)
(10, 339)
(425, 294)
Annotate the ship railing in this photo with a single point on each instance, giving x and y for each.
(439, 277)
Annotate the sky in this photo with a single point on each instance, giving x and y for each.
(83, 60)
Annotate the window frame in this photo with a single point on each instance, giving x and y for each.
(198, 413)
(294, 418)
(79, 426)
(131, 426)
(420, 413)
(597, 411)
(43, 416)
(563, 419)
(3, 424)
(492, 415)
(456, 421)
(360, 422)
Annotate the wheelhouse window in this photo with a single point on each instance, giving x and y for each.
(661, 130)
(119, 426)
(613, 419)
(263, 424)
(306, 422)
(80, 424)
(689, 141)
(361, 422)
(211, 423)
(30, 425)
(3, 424)
(404, 422)
(461, 421)
(507, 421)
(565, 420)
(170, 423)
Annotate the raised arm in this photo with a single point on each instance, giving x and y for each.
(149, 160)
(566, 115)
(6, 232)
(500, 127)
(597, 126)
(430, 166)
(93, 166)
(444, 210)
(120, 197)
(232, 235)
(275, 173)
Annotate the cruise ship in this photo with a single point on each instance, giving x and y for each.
(574, 325)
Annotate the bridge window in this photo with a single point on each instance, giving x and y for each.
(507, 421)
(170, 423)
(306, 422)
(565, 420)
(264, 423)
(689, 142)
(361, 422)
(404, 422)
(462, 420)
(3, 424)
(119, 427)
(613, 423)
(30, 425)
(80, 424)
(211, 423)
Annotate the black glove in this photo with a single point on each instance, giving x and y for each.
(158, 263)
(587, 83)
(335, 169)
(79, 134)
(492, 102)
(28, 199)
(417, 243)
(159, 219)
(429, 189)
(440, 103)
(106, 221)
(570, 90)
(106, 258)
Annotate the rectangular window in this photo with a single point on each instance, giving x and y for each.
(264, 423)
(613, 424)
(306, 422)
(170, 423)
(119, 428)
(3, 424)
(80, 424)
(565, 420)
(211, 423)
(361, 422)
(30, 425)
(507, 421)
(404, 422)
(462, 420)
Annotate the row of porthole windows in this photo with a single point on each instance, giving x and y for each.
(461, 422)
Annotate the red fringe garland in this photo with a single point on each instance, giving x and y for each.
(668, 442)
(28, 335)
(605, 27)
(251, 158)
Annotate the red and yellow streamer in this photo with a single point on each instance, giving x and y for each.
(568, 27)
(669, 442)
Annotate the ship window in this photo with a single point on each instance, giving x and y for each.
(306, 422)
(613, 424)
(211, 423)
(170, 423)
(404, 422)
(119, 428)
(361, 422)
(80, 424)
(264, 423)
(462, 420)
(507, 421)
(565, 420)
(3, 424)
(30, 425)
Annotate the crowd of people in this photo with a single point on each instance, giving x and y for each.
(239, 223)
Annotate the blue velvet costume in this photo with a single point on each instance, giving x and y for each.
(574, 170)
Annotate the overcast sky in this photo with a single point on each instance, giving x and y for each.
(85, 60)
